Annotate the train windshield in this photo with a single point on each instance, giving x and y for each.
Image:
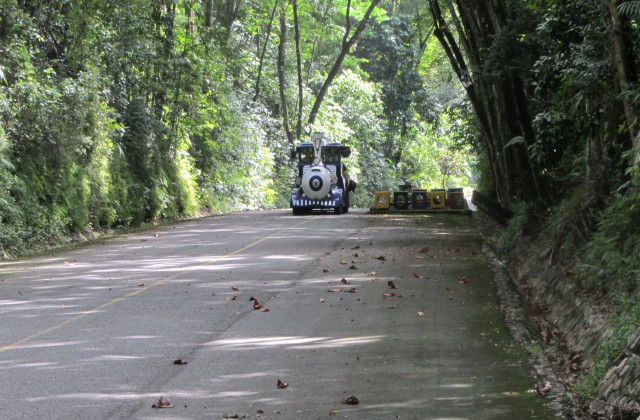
(331, 154)
(306, 154)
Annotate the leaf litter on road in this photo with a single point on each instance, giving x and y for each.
(281, 385)
(257, 305)
(162, 403)
(352, 400)
(236, 416)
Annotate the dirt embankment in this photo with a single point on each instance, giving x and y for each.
(568, 329)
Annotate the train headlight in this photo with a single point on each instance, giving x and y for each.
(298, 182)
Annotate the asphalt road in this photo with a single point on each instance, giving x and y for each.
(95, 333)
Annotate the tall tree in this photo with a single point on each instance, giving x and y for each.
(281, 74)
(622, 52)
(296, 25)
(499, 100)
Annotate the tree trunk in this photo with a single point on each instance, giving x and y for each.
(621, 53)
(208, 14)
(221, 12)
(299, 70)
(281, 74)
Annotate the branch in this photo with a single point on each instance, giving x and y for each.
(347, 43)
(264, 50)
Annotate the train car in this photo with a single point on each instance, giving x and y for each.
(322, 181)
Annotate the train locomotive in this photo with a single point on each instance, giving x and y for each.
(322, 181)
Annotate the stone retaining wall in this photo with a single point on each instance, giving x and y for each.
(620, 390)
(576, 323)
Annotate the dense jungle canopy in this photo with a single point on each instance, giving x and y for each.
(115, 113)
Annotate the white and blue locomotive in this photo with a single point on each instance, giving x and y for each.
(322, 181)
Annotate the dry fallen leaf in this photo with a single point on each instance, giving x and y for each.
(381, 258)
(179, 362)
(333, 413)
(322, 301)
(352, 400)
(462, 280)
(343, 262)
(235, 289)
(356, 247)
(345, 281)
(335, 290)
(420, 313)
(326, 270)
(425, 250)
(373, 274)
(162, 403)
(157, 235)
(263, 309)
(141, 285)
(352, 290)
(391, 284)
(353, 267)
(256, 304)
(389, 294)
(281, 385)
(543, 389)
(236, 416)
(416, 275)
(232, 297)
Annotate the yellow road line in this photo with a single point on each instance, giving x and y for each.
(138, 291)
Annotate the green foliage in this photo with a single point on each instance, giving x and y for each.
(622, 325)
(610, 264)
(630, 8)
(483, 176)
(516, 227)
(568, 78)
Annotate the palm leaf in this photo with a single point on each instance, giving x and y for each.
(630, 9)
